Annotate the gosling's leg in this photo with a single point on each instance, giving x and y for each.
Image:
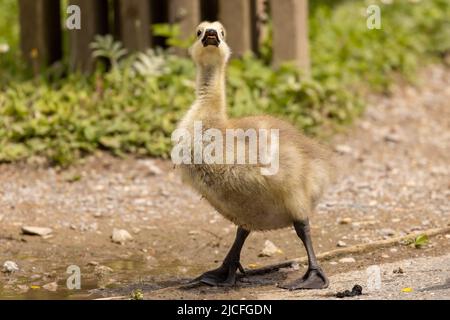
(225, 275)
(314, 278)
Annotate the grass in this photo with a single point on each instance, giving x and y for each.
(134, 107)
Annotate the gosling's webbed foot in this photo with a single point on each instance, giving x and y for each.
(223, 276)
(313, 279)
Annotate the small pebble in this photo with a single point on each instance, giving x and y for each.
(269, 249)
(345, 221)
(347, 260)
(36, 231)
(10, 267)
(121, 236)
(102, 270)
(343, 149)
(341, 243)
(52, 286)
(23, 288)
(387, 232)
(295, 266)
(399, 270)
(152, 168)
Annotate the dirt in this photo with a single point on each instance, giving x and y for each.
(418, 278)
(393, 179)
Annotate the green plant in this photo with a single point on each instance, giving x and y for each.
(172, 33)
(137, 295)
(416, 242)
(130, 111)
(106, 47)
(345, 51)
(421, 240)
(150, 63)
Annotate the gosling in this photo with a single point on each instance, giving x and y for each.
(241, 192)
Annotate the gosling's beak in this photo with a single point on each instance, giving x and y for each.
(210, 38)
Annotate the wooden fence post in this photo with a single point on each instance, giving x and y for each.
(40, 32)
(94, 21)
(159, 14)
(185, 13)
(290, 32)
(209, 10)
(135, 24)
(236, 16)
(260, 18)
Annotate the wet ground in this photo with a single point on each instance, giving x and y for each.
(393, 180)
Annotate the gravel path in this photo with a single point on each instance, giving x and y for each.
(418, 279)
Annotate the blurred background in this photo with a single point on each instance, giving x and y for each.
(128, 62)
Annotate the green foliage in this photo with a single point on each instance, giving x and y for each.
(106, 47)
(8, 24)
(420, 241)
(11, 67)
(172, 34)
(134, 107)
(255, 88)
(416, 242)
(137, 295)
(150, 63)
(343, 49)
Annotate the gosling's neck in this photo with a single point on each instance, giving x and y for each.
(210, 102)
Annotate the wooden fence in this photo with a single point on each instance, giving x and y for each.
(43, 27)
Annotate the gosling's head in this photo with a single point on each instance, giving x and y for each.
(210, 47)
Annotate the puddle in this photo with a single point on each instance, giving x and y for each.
(127, 275)
(14, 286)
(42, 294)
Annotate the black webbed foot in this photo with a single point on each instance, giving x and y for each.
(313, 279)
(223, 276)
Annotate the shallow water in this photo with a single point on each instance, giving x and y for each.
(91, 285)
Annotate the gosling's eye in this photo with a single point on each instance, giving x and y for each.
(199, 33)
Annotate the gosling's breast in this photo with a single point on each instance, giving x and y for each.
(239, 196)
